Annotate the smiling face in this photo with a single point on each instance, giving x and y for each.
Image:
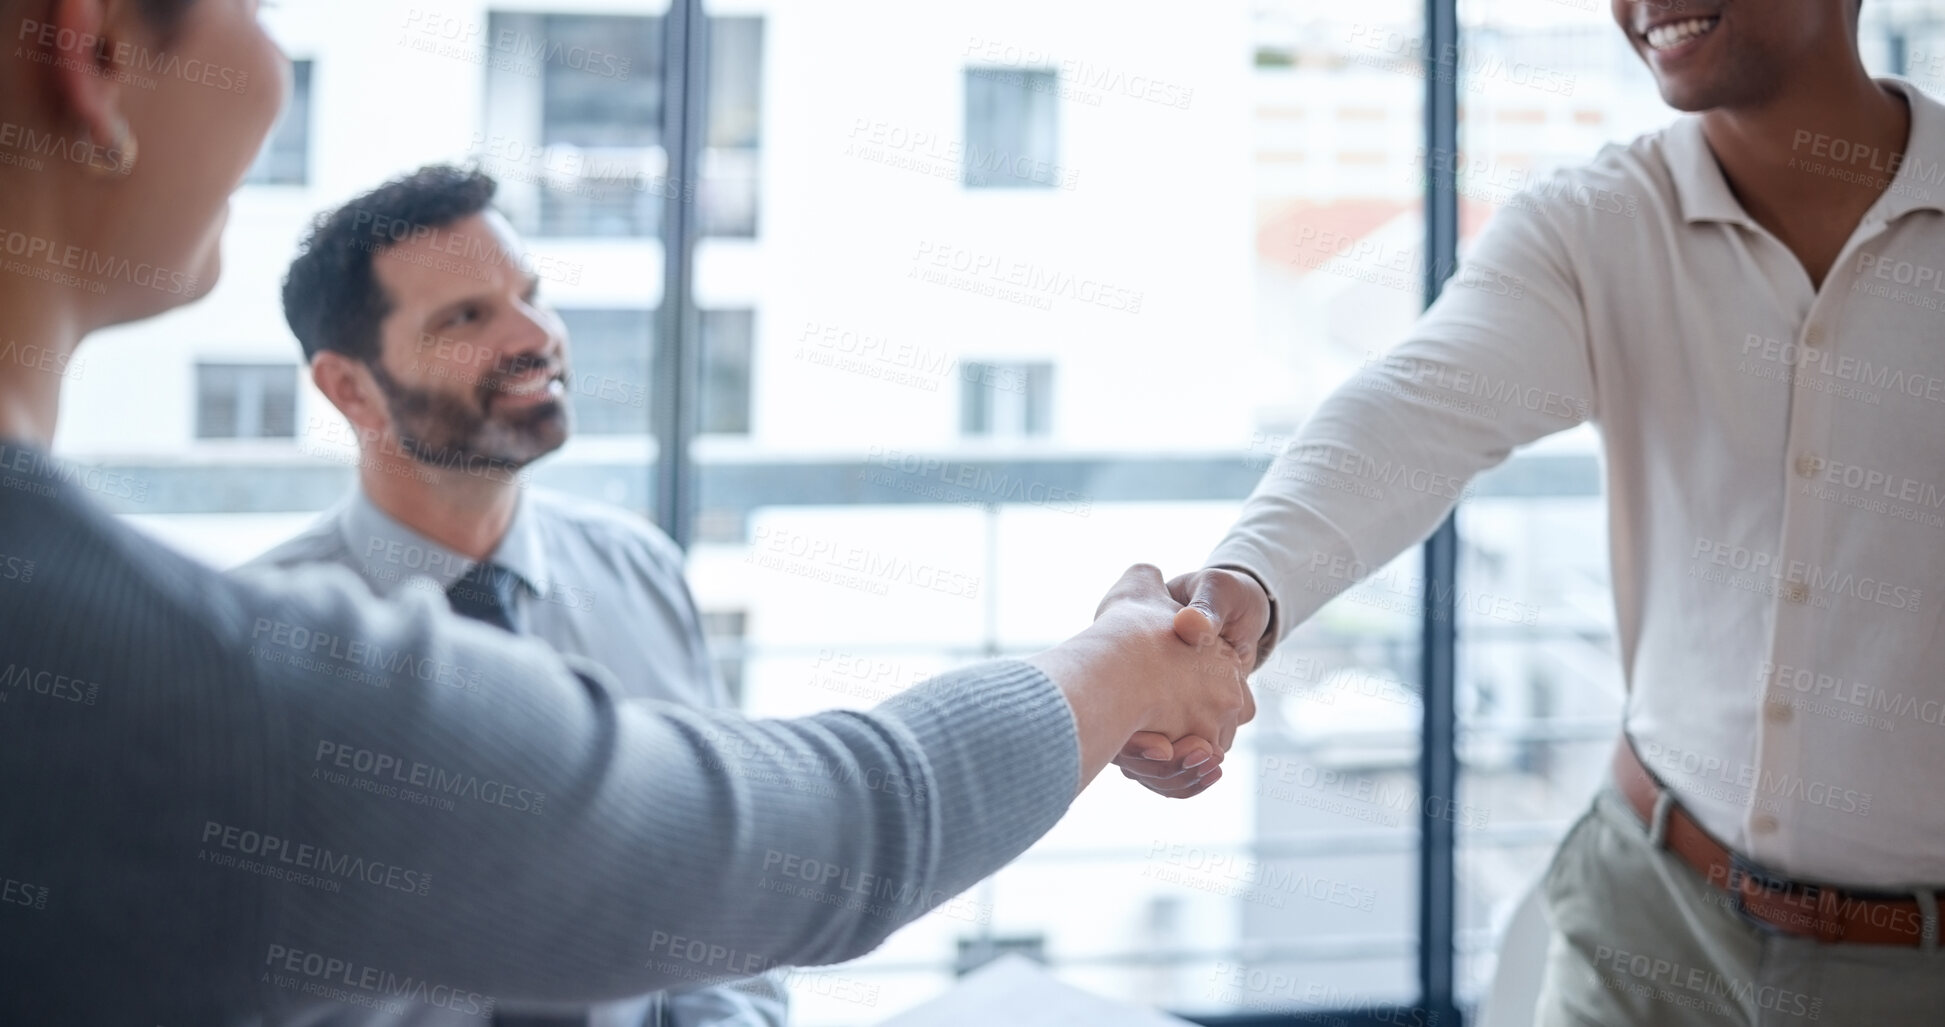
(1709, 54)
(472, 366)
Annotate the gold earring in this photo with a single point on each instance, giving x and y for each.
(124, 148)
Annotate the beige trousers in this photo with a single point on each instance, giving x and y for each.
(1641, 939)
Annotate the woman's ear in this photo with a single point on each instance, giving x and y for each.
(87, 48)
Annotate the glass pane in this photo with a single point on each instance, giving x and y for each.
(973, 407)
(550, 95)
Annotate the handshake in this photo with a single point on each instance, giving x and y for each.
(1157, 683)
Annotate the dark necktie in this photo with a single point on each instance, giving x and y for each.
(485, 594)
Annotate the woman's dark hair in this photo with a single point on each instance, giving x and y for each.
(332, 299)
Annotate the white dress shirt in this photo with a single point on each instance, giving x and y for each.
(1775, 462)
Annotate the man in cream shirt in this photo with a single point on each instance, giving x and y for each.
(1750, 305)
(454, 379)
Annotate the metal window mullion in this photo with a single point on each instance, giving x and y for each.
(1439, 760)
(678, 346)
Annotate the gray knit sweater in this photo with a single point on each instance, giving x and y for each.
(232, 801)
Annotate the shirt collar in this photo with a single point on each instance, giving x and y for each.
(394, 554)
(1919, 183)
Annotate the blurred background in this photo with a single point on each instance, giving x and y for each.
(959, 309)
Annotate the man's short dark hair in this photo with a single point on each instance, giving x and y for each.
(332, 299)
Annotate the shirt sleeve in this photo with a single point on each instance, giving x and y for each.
(456, 806)
(1501, 359)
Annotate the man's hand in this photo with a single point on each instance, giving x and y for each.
(1131, 671)
(1220, 608)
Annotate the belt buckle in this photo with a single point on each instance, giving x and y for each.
(1743, 869)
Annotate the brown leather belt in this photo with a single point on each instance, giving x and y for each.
(1825, 913)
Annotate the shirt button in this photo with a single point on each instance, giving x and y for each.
(1814, 336)
(1763, 823)
(1780, 713)
(1797, 592)
(1806, 466)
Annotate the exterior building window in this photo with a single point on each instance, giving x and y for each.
(1012, 129)
(574, 123)
(727, 197)
(246, 401)
(286, 157)
(1011, 400)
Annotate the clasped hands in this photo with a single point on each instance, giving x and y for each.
(1177, 654)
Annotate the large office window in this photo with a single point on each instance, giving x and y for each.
(837, 390)
(246, 401)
